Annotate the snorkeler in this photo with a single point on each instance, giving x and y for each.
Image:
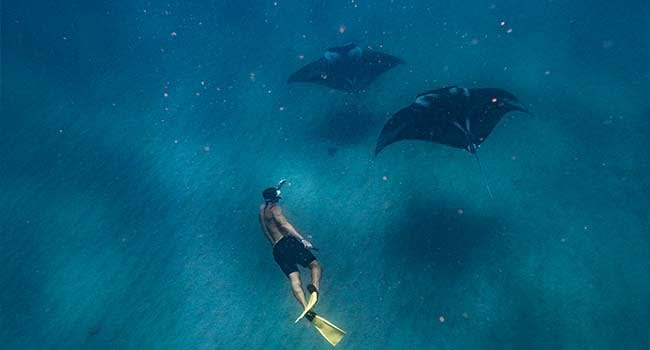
(289, 248)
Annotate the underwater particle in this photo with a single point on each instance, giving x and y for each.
(513, 157)
(342, 29)
(301, 57)
(563, 240)
(60, 131)
(385, 178)
(465, 315)
(547, 72)
(165, 94)
(206, 148)
(281, 108)
(509, 30)
(202, 82)
(502, 23)
(441, 319)
(494, 100)
(176, 141)
(460, 211)
(197, 93)
(251, 76)
(173, 34)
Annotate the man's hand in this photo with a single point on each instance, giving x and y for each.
(307, 244)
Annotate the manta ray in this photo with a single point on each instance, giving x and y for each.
(453, 116)
(348, 68)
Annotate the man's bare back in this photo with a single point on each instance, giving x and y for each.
(276, 226)
(270, 225)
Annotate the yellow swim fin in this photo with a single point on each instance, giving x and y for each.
(313, 299)
(327, 329)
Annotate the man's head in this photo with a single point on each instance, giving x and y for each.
(271, 195)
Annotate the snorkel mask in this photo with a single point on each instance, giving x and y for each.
(272, 194)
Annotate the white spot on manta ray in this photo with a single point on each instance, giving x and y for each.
(454, 91)
(426, 100)
(331, 56)
(355, 53)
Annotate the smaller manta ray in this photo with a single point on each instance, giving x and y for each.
(348, 68)
(453, 116)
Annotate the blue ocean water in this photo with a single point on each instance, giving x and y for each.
(136, 138)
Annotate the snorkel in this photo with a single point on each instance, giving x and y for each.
(278, 187)
(272, 194)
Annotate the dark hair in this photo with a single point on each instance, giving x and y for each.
(270, 194)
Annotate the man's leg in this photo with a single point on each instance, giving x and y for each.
(316, 271)
(296, 288)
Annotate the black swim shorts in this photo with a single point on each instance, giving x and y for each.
(289, 252)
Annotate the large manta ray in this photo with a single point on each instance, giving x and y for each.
(453, 116)
(349, 68)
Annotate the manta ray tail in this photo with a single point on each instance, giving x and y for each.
(483, 176)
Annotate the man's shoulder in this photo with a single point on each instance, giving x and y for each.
(274, 207)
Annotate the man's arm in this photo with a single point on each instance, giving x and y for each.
(284, 224)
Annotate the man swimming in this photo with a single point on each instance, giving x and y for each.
(289, 247)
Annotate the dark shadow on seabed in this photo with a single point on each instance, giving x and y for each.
(344, 125)
(435, 234)
(436, 256)
(35, 244)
